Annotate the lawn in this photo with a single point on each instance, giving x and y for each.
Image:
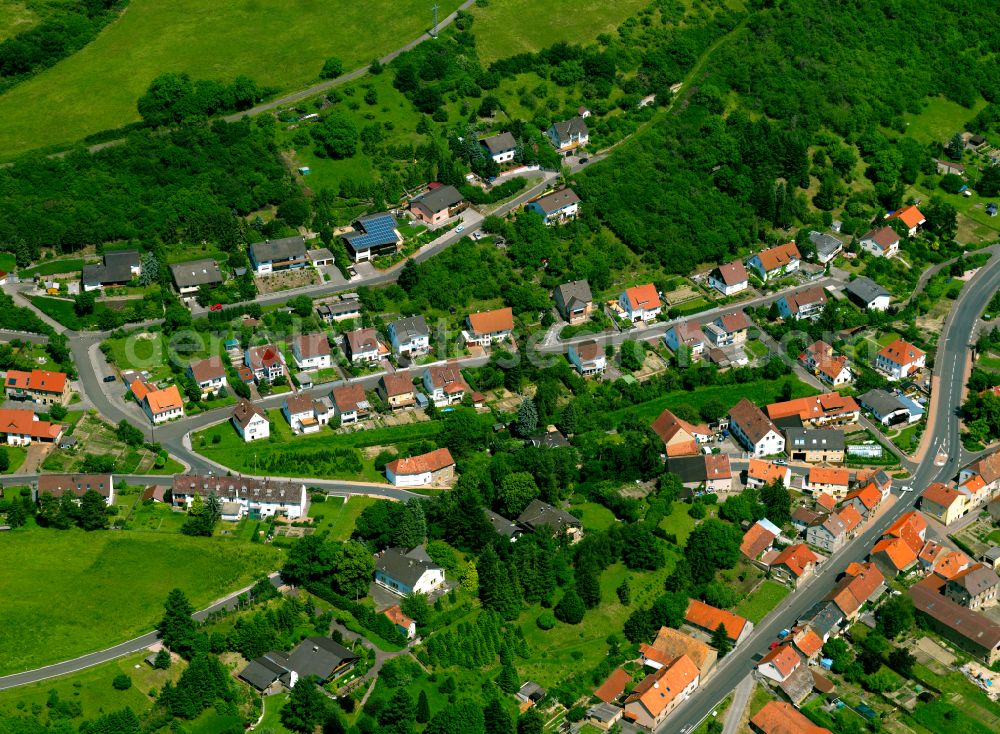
(272, 714)
(678, 523)
(16, 456)
(338, 516)
(62, 310)
(279, 45)
(507, 27)
(8, 263)
(763, 599)
(92, 688)
(53, 267)
(594, 516)
(68, 592)
(757, 349)
(760, 392)
(940, 120)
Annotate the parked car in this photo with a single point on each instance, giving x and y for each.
(460, 228)
(110, 378)
(215, 307)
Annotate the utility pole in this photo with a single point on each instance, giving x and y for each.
(434, 29)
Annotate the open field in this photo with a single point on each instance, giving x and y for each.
(337, 516)
(762, 600)
(508, 27)
(53, 267)
(940, 120)
(68, 592)
(279, 45)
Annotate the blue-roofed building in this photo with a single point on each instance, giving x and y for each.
(916, 409)
(373, 235)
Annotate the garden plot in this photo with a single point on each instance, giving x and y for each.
(96, 437)
(979, 536)
(286, 280)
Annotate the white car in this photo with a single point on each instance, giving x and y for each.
(460, 228)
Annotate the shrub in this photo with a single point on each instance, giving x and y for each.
(545, 621)
(121, 682)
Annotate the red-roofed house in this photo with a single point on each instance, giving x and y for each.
(834, 482)
(881, 242)
(267, 362)
(807, 642)
(756, 540)
(893, 557)
(708, 618)
(436, 467)
(641, 303)
(679, 437)
(945, 504)
(826, 501)
(911, 528)
(403, 623)
(779, 663)
(899, 360)
(38, 386)
(818, 410)
(776, 261)
(670, 644)
(21, 427)
(486, 327)
(795, 563)
(778, 717)
(755, 430)
(661, 692)
(865, 500)
(832, 369)
(761, 472)
(910, 216)
(613, 686)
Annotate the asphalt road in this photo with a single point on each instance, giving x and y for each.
(949, 371)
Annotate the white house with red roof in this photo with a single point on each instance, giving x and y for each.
(266, 362)
(881, 242)
(435, 467)
(911, 217)
(899, 360)
(776, 261)
(641, 303)
(730, 278)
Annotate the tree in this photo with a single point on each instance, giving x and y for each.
(624, 592)
(308, 559)
(515, 492)
(409, 276)
(570, 608)
(4, 459)
(332, 68)
(588, 584)
(162, 659)
(496, 718)
(423, 708)
(353, 570)
(399, 714)
(17, 514)
(508, 680)
(902, 661)
(531, 722)
(497, 589)
(527, 418)
(989, 182)
(412, 529)
(631, 355)
(301, 305)
(951, 183)
(721, 641)
(121, 682)
(177, 628)
(337, 135)
(93, 511)
(83, 303)
(955, 148)
(307, 708)
(777, 502)
(895, 616)
(711, 545)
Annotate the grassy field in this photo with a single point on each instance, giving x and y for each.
(763, 599)
(16, 455)
(8, 263)
(67, 593)
(508, 27)
(280, 45)
(594, 516)
(940, 120)
(337, 516)
(678, 523)
(53, 267)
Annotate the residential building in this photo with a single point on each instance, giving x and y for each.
(408, 572)
(250, 421)
(679, 437)
(899, 360)
(893, 557)
(118, 267)
(604, 715)
(868, 294)
(312, 352)
(77, 485)
(574, 301)
(807, 303)
(502, 526)
(266, 362)
(660, 692)
(410, 336)
(794, 564)
(321, 257)
(321, 657)
(362, 345)
(396, 389)
(613, 686)
(372, 235)
(39, 386)
(159, 405)
(708, 472)
(861, 583)
(824, 617)
(820, 360)
(189, 277)
(350, 403)
(827, 501)
(403, 623)
(830, 408)
(259, 497)
(828, 532)
(487, 327)
(707, 618)
(815, 446)
(887, 408)
(911, 528)
(976, 493)
(686, 334)
(759, 539)
(945, 167)
(974, 588)
(670, 644)
(911, 217)
(557, 207)
(945, 504)
(438, 205)
(541, 514)
(569, 135)
(273, 256)
(834, 482)
(779, 663)
(729, 279)
(339, 310)
(761, 472)
(445, 385)
(866, 500)
(730, 328)
(501, 147)
(775, 262)
(300, 412)
(779, 717)
(436, 467)
(827, 246)
(587, 357)
(987, 469)
(971, 631)
(640, 303)
(754, 430)
(881, 242)
(209, 374)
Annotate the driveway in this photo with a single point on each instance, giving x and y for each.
(37, 452)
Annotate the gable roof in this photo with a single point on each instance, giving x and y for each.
(362, 340)
(987, 467)
(574, 292)
(779, 256)
(733, 322)
(205, 370)
(901, 352)
(825, 500)
(733, 273)
(883, 237)
(805, 297)
(909, 215)
(287, 248)
(643, 297)
(37, 380)
(784, 658)
(827, 405)
(898, 552)
(975, 627)
(499, 143)
(263, 357)
(756, 540)
(556, 200)
(572, 126)
(709, 618)
(161, 401)
(613, 686)
(941, 494)
(796, 558)
(667, 426)
(910, 528)
(853, 590)
(807, 641)
(588, 351)
(313, 345)
(751, 420)
(430, 462)
(829, 475)
(670, 644)
(76, 484)
(539, 513)
(658, 689)
(397, 383)
(446, 376)
(406, 567)
(868, 496)
(491, 322)
(700, 468)
(766, 471)
(779, 717)
(196, 273)
(849, 516)
(866, 289)
(245, 411)
(825, 243)
(350, 397)
(373, 230)
(438, 199)
(975, 579)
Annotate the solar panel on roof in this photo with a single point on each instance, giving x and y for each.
(379, 229)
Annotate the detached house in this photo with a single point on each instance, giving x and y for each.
(21, 427)
(679, 437)
(396, 390)
(686, 334)
(730, 278)
(911, 217)
(574, 301)
(189, 277)
(707, 618)
(406, 573)
(350, 403)
(372, 235)
(640, 303)
(887, 408)
(487, 327)
(945, 504)
(821, 361)
(759, 538)
(827, 246)
(445, 385)
(160, 406)
(793, 564)
(116, 268)
(660, 692)
(250, 421)
(312, 352)
(77, 485)
(881, 242)
(775, 262)
(38, 386)
(501, 147)
(540, 514)
(410, 336)
(340, 310)
(273, 256)
(300, 412)
(438, 205)
(362, 345)
(900, 360)
(760, 473)
(435, 467)
(868, 294)
(779, 664)
(588, 357)
(267, 362)
(754, 430)
(569, 135)
(557, 207)
(210, 374)
(830, 408)
(807, 303)
(729, 329)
